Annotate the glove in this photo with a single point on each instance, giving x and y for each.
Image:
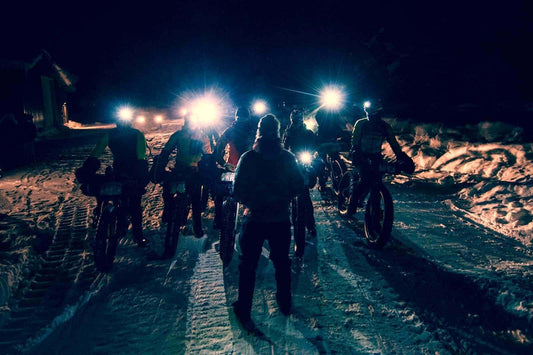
(88, 170)
(406, 164)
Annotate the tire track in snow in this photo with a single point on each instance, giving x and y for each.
(208, 322)
(50, 298)
(378, 326)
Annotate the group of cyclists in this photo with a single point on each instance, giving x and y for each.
(267, 178)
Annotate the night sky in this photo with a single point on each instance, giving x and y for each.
(413, 53)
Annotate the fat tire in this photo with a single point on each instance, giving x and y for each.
(343, 197)
(378, 217)
(338, 167)
(106, 239)
(174, 225)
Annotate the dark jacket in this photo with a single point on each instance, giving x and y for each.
(240, 137)
(265, 182)
(298, 139)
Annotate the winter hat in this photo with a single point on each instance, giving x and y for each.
(268, 127)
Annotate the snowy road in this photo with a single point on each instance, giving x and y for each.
(444, 285)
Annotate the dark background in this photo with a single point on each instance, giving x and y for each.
(427, 59)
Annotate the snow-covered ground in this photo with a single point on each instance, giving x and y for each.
(457, 278)
(488, 164)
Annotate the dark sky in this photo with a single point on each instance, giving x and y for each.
(151, 52)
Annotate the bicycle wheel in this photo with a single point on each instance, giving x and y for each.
(227, 232)
(337, 171)
(343, 197)
(106, 240)
(379, 215)
(298, 222)
(174, 224)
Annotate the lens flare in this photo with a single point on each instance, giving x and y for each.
(125, 113)
(205, 111)
(332, 97)
(305, 157)
(259, 107)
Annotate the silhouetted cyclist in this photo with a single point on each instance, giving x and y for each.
(368, 136)
(128, 146)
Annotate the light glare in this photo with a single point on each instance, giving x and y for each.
(259, 107)
(306, 157)
(331, 98)
(158, 119)
(204, 111)
(141, 119)
(125, 113)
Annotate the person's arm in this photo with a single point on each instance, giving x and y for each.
(356, 137)
(221, 147)
(391, 138)
(141, 146)
(100, 147)
(167, 149)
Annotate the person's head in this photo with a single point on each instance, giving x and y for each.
(268, 127)
(297, 117)
(242, 114)
(374, 110)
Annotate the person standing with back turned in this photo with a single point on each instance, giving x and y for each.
(267, 178)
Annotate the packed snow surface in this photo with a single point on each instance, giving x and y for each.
(455, 279)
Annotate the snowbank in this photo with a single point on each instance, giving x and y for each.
(488, 165)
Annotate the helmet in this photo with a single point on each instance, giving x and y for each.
(373, 109)
(242, 113)
(297, 116)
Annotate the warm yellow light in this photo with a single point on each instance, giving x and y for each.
(367, 104)
(141, 119)
(158, 119)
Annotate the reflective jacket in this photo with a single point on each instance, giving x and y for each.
(128, 146)
(189, 144)
(368, 137)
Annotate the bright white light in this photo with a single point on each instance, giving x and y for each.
(305, 157)
(310, 124)
(367, 104)
(259, 107)
(141, 119)
(125, 114)
(331, 97)
(205, 111)
(183, 111)
(158, 119)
